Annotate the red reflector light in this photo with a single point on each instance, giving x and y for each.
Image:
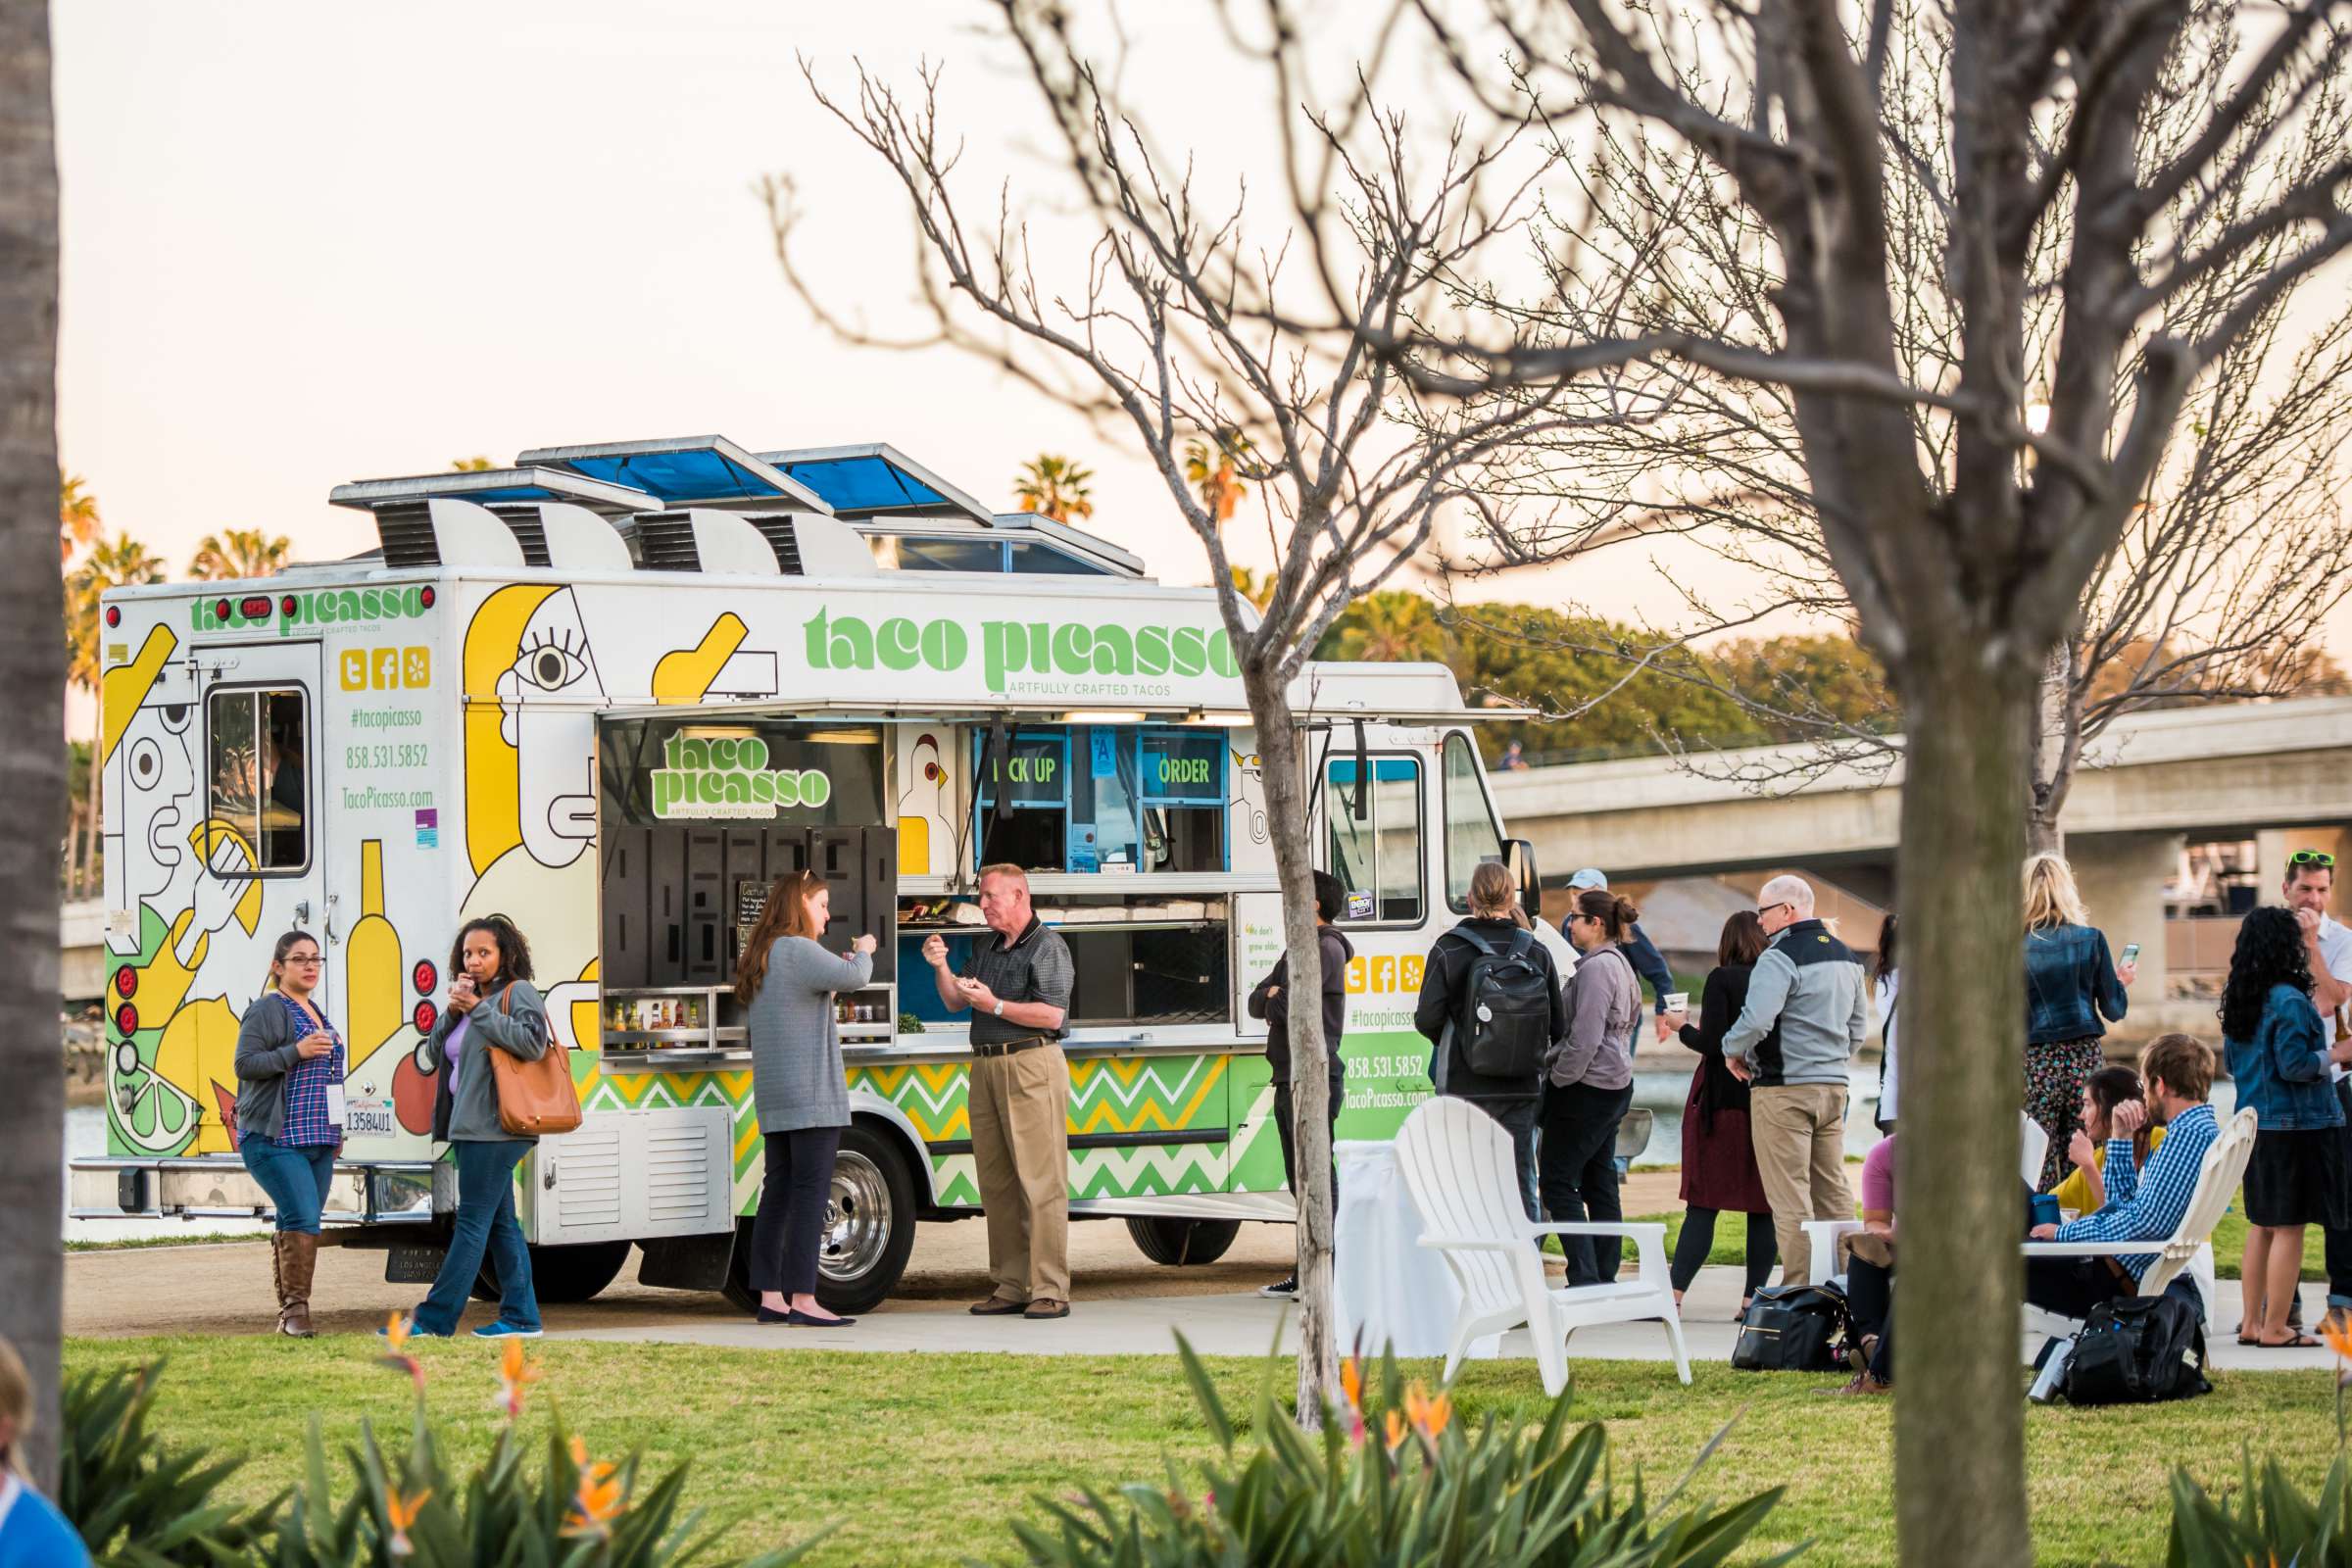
(113, 614)
(221, 610)
(424, 597)
(427, 1016)
(127, 981)
(255, 609)
(425, 977)
(126, 1019)
(286, 607)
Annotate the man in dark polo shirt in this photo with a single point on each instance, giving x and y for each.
(1017, 985)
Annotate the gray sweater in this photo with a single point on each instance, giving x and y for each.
(265, 1053)
(1810, 986)
(471, 1116)
(1604, 1007)
(797, 1077)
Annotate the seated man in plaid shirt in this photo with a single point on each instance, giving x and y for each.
(2143, 1204)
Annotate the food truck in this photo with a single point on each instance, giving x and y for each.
(614, 692)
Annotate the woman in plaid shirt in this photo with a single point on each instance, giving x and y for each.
(290, 1115)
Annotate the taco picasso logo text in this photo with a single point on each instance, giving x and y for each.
(1015, 647)
(729, 777)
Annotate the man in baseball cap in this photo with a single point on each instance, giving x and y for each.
(1647, 962)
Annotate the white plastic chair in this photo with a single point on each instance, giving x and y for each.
(1823, 1235)
(1458, 1167)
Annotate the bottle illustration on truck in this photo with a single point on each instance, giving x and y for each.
(614, 692)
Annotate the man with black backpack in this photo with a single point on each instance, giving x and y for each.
(1491, 1005)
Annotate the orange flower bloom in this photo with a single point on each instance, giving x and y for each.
(1396, 1426)
(597, 1501)
(514, 1374)
(401, 1512)
(397, 1332)
(1351, 1383)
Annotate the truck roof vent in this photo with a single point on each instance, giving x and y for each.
(778, 532)
(441, 532)
(406, 534)
(703, 540)
(523, 520)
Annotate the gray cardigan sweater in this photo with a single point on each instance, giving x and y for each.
(265, 1053)
(471, 1116)
(797, 1077)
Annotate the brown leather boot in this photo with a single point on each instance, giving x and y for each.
(299, 1252)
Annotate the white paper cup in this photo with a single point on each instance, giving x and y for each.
(1678, 1002)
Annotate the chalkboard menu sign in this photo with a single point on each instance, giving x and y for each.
(751, 903)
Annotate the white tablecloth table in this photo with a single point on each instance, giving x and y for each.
(1388, 1289)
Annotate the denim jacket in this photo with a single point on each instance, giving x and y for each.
(2282, 1073)
(2069, 981)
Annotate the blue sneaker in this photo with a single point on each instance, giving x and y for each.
(505, 1331)
(414, 1333)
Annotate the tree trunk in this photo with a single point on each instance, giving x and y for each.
(32, 686)
(1279, 771)
(1959, 1419)
(2050, 754)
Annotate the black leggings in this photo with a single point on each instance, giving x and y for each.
(791, 1209)
(1577, 1164)
(1697, 1239)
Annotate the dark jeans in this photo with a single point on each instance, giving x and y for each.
(1579, 1172)
(1697, 1239)
(1870, 1299)
(2072, 1286)
(485, 1226)
(1285, 1114)
(295, 1177)
(791, 1209)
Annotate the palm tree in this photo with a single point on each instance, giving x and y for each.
(1211, 471)
(477, 465)
(1055, 487)
(120, 563)
(77, 525)
(1258, 590)
(32, 775)
(238, 553)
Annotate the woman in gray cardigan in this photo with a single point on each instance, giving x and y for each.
(786, 983)
(290, 1117)
(492, 1006)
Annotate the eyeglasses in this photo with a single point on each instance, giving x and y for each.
(306, 959)
(2318, 857)
(1764, 909)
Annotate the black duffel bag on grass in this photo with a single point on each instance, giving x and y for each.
(1793, 1328)
(2138, 1350)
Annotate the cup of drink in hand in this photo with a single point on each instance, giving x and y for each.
(1678, 1002)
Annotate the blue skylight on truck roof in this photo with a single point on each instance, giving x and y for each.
(683, 470)
(876, 479)
(484, 486)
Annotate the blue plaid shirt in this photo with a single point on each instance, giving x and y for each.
(2146, 1204)
(307, 1125)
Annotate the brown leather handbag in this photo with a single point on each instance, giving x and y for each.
(535, 1098)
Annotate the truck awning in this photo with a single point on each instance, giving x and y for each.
(683, 471)
(485, 486)
(874, 480)
(1069, 712)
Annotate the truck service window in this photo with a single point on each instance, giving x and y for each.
(1377, 856)
(1470, 832)
(257, 761)
(1182, 792)
(1034, 829)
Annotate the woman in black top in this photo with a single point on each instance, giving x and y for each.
(1719, 1163)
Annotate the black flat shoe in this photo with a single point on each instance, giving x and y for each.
(763, 1315)
(804, 1320)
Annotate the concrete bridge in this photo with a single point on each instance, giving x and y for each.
(2277, 773)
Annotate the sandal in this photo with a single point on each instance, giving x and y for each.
(2295, 1342)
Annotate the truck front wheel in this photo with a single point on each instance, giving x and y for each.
(869, 1234)
(1183, 1241)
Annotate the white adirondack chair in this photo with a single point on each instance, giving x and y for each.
(1457, 1164)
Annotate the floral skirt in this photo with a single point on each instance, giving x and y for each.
(2055, 1074)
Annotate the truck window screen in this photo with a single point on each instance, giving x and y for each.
(1378, 856)
(1470, 832)
(258, 770)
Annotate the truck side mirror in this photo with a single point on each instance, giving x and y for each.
(1519, 856)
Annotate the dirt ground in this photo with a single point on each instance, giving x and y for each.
(224, 1288)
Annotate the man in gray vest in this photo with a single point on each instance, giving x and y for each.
(1017, 985)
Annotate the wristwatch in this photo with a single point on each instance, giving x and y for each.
(997, 1012)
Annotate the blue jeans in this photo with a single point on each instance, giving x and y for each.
(485, 1224)
(295, 1177)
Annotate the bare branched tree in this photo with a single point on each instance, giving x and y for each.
(2214, 590)
(1983, 347)
(1164, 326)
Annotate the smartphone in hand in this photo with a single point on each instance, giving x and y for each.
(2130, 951)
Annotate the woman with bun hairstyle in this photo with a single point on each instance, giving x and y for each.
(1589, 1082)
(786, 982)
(491, 1006)
(290, 1115)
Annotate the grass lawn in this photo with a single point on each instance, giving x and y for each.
(921, 1458)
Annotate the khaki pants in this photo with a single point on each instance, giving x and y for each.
(1019, 1108)
(1799, 1135)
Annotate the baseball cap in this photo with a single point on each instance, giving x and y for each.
(1590, 877)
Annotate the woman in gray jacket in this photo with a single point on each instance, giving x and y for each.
(492, 1006)
(1590, 1083)
(786, 983)
(290, 1117)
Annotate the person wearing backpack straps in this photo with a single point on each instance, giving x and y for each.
(1588, 1083)
(491, 1006)
(1487, 965)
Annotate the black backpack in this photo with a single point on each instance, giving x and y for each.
(1504, 1023)
(1793, 1328)
(2139, 1351)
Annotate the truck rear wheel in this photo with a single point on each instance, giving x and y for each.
(1183, 1241)
(869, 1227)
(562, 1275)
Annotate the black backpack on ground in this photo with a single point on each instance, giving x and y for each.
(2139, 1351)
(1504, 1023)
(1793, 1328)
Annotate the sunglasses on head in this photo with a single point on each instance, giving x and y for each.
(2318, 857)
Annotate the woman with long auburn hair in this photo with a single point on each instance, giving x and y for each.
(786, 981)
